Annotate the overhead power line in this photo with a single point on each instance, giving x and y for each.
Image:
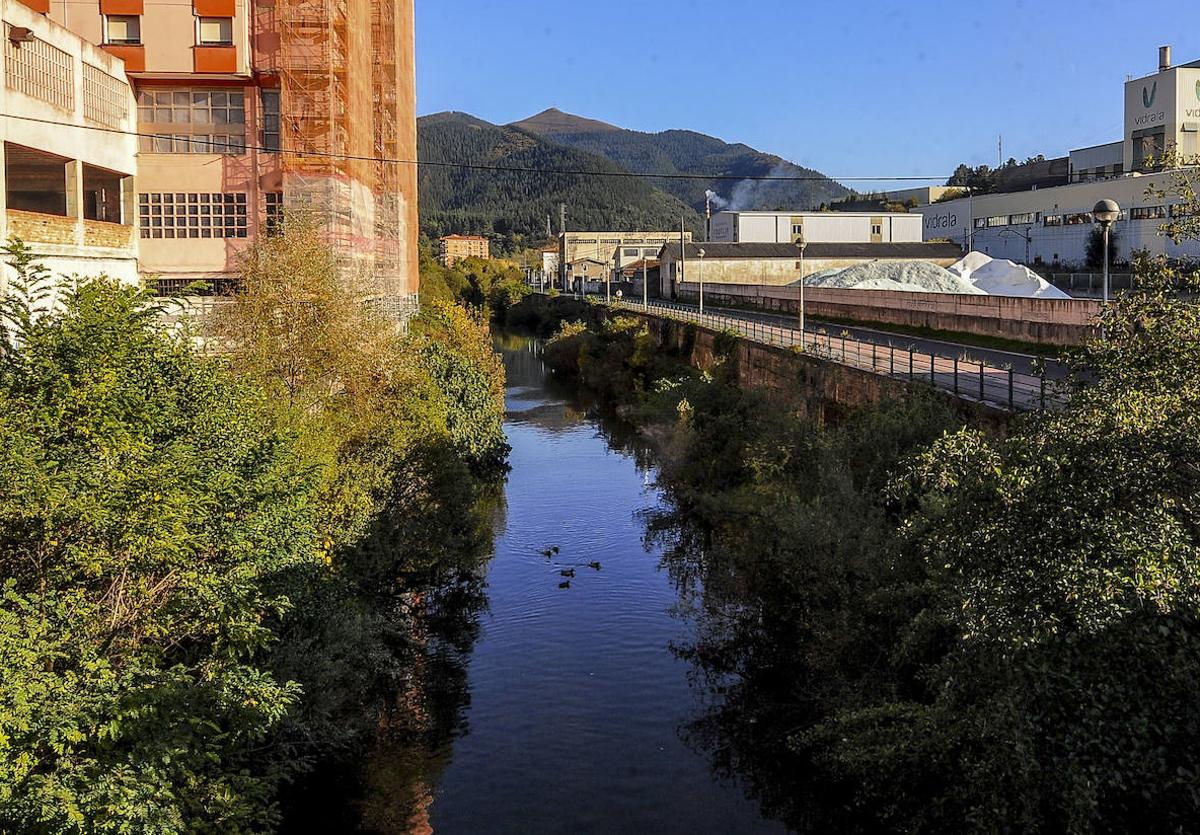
(513, 169)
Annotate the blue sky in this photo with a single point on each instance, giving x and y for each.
(851, 88)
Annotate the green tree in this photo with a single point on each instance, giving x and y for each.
(1065, 560)
(1095, 252)
(147, 498)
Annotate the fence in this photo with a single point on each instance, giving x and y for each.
(1091, 283)
(966, 378)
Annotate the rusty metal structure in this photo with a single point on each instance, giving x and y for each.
(348, 105)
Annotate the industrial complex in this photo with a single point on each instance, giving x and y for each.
(1051, 224)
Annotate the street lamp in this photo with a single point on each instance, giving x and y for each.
(802, 245)
(701, 254)
(1106, 213)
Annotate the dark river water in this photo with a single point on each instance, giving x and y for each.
(574, 700)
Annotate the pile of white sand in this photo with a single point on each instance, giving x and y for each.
(909, 276)
(998, 277)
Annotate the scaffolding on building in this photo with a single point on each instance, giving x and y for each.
(347, 119)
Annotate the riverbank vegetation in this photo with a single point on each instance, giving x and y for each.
(906, 624)
(227, 555)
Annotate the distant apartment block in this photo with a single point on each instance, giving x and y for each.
(617, 249)
(248, 109)
(455, 248)
(68, 154)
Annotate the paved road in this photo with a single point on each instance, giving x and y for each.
(1021, 363)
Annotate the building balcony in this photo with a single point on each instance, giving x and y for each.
(134, 55)
(68, 232)
(101, 233)
(37, 227)
(214, 59)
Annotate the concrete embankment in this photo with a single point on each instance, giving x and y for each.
(823, 390)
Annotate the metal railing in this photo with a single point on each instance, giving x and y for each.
(964, 377)
(1091, 283)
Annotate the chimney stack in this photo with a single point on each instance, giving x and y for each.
(1164, 58)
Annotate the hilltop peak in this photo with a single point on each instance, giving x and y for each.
(554, 121)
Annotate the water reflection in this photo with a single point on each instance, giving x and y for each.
(576, 701)
(557, 694)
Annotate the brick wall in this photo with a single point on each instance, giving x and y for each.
(112, 235)
(39, 228)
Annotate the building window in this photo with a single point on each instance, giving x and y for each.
(274, 213)
(997, 220)
(104, 97)
(40, 70)
(797, 229)
(34, 181)
(214, 31)
(876, 229)
(1052, 220)
(102, 194)
(1148, 213)
(192, 122)
(1078, 219)
(270, 120)
(122, 29)
(179, 215)
(981, 222)
(632, 253)
(1026, 217)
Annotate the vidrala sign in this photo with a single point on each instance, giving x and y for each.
(1194, 112)
(944, 221)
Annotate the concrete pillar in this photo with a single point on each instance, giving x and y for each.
(3, 196)
(129, 206)
(75, 197)
(4, 269)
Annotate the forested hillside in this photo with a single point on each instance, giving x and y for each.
(512, 206)
(688, 152)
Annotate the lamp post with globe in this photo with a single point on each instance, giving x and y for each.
(1106, 214)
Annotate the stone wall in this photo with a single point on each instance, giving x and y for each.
(821, 389)
(1040, 321)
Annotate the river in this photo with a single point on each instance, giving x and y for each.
(574, 699)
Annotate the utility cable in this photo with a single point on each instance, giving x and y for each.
(469, 166)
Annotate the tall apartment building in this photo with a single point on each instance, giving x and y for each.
(249, 108)
(457, 247)
(68, 155)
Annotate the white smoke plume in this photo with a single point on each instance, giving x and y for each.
(748, 195)
(717, 201)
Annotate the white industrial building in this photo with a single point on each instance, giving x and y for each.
(1053, 225)
(814, 227)
(781, 264)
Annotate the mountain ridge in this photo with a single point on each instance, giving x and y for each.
(512, 206)
(680, 151)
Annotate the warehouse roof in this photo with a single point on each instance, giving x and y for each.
(789, 252)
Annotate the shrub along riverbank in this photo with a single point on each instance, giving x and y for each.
(219, 569)
(908, 625)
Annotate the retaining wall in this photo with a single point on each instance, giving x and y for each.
(823, 390)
